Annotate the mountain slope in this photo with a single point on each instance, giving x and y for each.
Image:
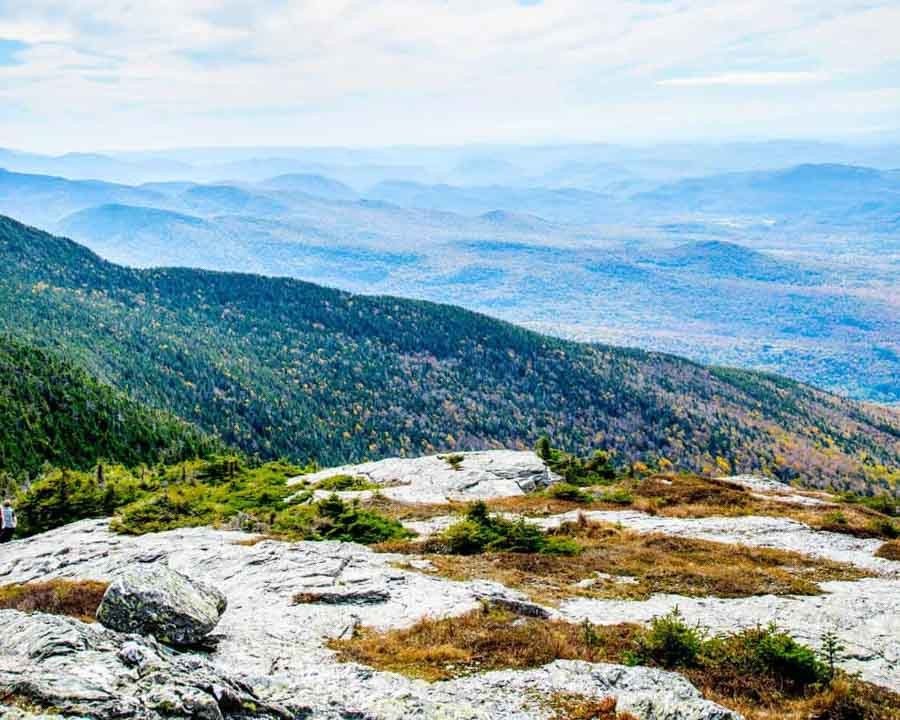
(51, 411)
(278, 366)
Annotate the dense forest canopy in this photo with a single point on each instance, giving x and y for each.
(279, 367)
(54, 412)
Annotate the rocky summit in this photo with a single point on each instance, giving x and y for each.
(264, 652)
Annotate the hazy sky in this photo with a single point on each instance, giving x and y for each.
(98, 74)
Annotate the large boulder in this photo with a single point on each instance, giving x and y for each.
(451, 476)
(156, 600)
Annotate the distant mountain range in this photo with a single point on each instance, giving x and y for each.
(595, 167)
(281, 367)
(791, 270)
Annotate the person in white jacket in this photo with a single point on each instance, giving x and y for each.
(9, 522)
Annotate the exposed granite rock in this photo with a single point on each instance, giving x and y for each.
(272, 648)
(765, 488)
(154, 599)
(489, 474)
(64, 664)
(271, 653)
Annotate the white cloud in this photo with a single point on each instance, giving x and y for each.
(745, 79)
(363, 71)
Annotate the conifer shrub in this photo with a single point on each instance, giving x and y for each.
(567, 491)
(63, 496)
(596, 469)
(669, 642)
(480, 531)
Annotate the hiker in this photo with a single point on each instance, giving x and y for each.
(8, 516)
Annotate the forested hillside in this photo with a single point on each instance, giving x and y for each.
(51, 411)
(281, 367)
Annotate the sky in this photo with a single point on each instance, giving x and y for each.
(86, 75)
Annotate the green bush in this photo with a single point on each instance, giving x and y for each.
(480, 531)
(669, 642)
(467, 537)
(567, 491)
(766, 652)
(555, 545)
(337, 520)
(619, 496)
(345, 483)
(60, 497)
(182, 506)
(885, 527)
(596, 469)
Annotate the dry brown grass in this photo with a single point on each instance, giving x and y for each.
(632, 565)
(493, 639)
(844, 699)
(890, 550)
(255, 540)
(670, 495)
(75, 598)
(571, 706)
(397, 510)
(482, 640)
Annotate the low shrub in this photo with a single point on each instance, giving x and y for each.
(596, 469)
(455, 460)
(767, 655)
(62, 496)
(479, 532)
(567, 491)
(334, 519)
(345, 483)
(885, 527)
(668, 642)
(337, 520)
(618, 496)
(558, 545)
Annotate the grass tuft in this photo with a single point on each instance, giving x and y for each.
(571, 706)
(889, 550)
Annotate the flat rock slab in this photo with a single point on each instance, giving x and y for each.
(153, 599)
(433, 479)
